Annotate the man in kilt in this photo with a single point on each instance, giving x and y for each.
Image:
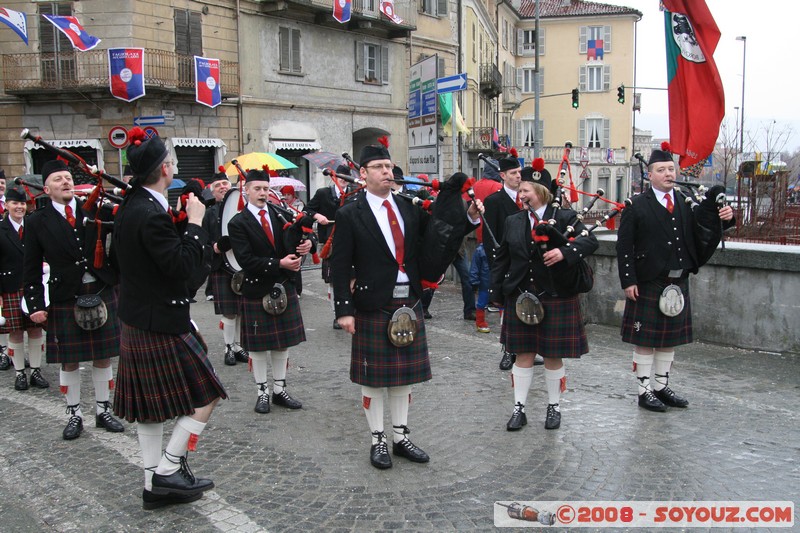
(164, 371)
(522, 265)
(16, 322)
(5, 362)
(57, 234)
(378, 238)
(322, 207)
(226, 302)
(269, 268)
(656, 248)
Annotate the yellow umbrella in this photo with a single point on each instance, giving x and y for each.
(256, 160)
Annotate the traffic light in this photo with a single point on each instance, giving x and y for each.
(575, 102)
(621, 94)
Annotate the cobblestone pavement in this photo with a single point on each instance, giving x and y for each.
(309, 469)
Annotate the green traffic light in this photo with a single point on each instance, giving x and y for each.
(621, 94)
(575, 97)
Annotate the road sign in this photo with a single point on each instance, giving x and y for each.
(118, 137)
(150, 132)
(451, 84)
(148, 121)
(422, 110)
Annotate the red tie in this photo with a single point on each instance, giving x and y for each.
(267, 229)
(70, 216)
(669, 202)
(2, 208)
(519, 204)
(397, 235)
(20, 233)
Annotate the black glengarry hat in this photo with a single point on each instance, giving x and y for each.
(144, 155)
(52, 166)
(375, 152)
(661, 156)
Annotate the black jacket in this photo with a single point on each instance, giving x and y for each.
(155, 262)
(69, 252)
(11, 255)
(211, 223)
(498, 206)
(325, 203)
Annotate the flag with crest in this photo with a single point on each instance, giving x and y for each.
(207, 91)
(73, 30)
(16, 21)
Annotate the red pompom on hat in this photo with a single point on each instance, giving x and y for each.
(538, 164)
(384, 140)
(661, 156)
(144, 155)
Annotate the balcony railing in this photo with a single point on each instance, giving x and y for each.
(361, 10)
(479, 140)
(29, 73)
(491, 80)
(512, 95)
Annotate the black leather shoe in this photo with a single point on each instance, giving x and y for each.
(5, 361)
(152, 501)
(283, 399)
(668, 397)
(470, 316)
(21, 381)
(37, 379)
(379, 456)
(336, 324)
(406, 448)
(262, 403)
(518, 418)
(649, 401)
(505, 361)
(230, 357)
(553, 420)
(426, 314)
(180, 482)
(111, 424)
(74, 428)
(241, 355)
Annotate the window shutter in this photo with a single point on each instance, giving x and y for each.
(582, 40)
(582, 132)
(540, 80)
(283, 50)
(47, 35)
(518, 125)
(195, 33)
(359, 60)
(540, 133)
(606, 77)
(181, 31)
(606, 133)
(540, 42)
(441, 8)
(520, 78)
(582, 78)
(295, 52)
(384, 65)
(606, 38)
(520, 41)
(440, 67)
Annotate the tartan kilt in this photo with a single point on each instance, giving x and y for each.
(376, 362)
(559, 334)
(162, 376)
(262, 331)
(226, 302)
(643, 323)
(16, 320)
(68, 343)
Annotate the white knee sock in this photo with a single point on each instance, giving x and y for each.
(237, 330)
(186, 429)
(16, 351)
(399, 399)
(150, 439)
(642, 364)
(661, 366)
(521, 379)
(228, 330)
(280, 360)
(71, 388)
(102, 379)
(258, 361)
(372, 402)
(554, 379)
(35, 351)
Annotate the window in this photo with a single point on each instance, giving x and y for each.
(528, 80)
(588, 33)
(366, 6)
(527, 42)
(474, 55)
(372, 63)
(435, 8)
(188, 43)
(527, 134)
(595, 78)
(57, 56)
(620, 180)
(595, 132)
(604, 179)
(505, 34)
(289, 46)
(440, 67)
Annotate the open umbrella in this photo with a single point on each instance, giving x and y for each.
(256, 160)
(325, 160)
(177, 183)
(281, 181)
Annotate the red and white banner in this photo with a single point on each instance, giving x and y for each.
(387, 8)
(207, 91)
(342, 10)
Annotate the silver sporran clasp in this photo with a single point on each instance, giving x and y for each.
(90, 312)
(529, 309)
(402, 328)
(671, 301)
(276, 301)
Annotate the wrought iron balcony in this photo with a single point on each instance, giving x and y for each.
(491, 83)
(365, 14)
(479, 140)
(27, 74)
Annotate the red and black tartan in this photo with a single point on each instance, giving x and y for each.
(559, 334)
(262, 331)
(68, 343)
(376, 362)
(16, 320)
(226, 302)
(162, 376)
(643, 323)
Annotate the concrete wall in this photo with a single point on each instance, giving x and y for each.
(747, 296)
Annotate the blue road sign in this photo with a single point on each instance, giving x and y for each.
(451, 84)
(148, 121)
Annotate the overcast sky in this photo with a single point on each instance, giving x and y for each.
(771, 72)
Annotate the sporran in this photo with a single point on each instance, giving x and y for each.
(236, 282)
(529, 309)
(671, 301)
(276, 301)
(402, 328)
(90, 312)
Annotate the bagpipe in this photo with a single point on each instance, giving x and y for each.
(344, 196)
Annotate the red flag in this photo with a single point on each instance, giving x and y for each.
(696, 96)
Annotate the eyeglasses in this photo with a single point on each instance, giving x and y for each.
(386, 166)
